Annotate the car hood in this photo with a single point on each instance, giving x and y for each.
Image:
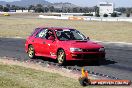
(82, 44)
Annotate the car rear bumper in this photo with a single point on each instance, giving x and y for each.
(88, 56)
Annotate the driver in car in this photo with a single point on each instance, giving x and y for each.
(49, 35)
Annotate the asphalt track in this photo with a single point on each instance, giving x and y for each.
(118, 58)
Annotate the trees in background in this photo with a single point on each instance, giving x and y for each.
(40, 8)
(8, 7)
(50, 8)
(121, 9)
(105, 15)
(1, 8)
(5, 9)
(114, 14)
(128, 12)
(124, 10)
(31, 7)
(96, 10)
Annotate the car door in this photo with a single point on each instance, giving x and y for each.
(40, 43)
(51, 45)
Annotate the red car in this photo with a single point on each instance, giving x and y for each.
(63, 44)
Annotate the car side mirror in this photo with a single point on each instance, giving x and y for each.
(88, 38)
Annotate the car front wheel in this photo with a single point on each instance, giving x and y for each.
(61, 57)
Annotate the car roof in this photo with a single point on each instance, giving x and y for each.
(56, 28)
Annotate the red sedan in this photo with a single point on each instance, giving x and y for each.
(63, 44)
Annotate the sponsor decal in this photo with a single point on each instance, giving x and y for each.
(85, 81)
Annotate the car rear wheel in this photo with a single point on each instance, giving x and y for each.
(61, 57)
(31, 52)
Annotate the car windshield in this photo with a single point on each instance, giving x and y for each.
(69, 34)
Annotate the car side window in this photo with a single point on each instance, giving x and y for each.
(49, 34)
(42, 33)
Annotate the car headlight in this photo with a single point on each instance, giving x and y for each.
(75, 50)
(102, 49)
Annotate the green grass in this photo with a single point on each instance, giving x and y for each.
(20, 77)
(13, 76)
(102, 31)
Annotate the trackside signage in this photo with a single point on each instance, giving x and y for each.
(110, 82)
(85, 81)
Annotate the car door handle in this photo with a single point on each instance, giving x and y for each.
(44, 42)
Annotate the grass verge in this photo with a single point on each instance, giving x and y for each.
(20, 75)
(102, 31)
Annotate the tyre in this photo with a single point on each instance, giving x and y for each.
(31, 52)
(84, 81)
(61, 57)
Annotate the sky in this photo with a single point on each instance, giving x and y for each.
(89, 3)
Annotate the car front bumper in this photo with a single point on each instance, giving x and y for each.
(86, 56)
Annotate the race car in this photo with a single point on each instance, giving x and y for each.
(6, 14)
(63, 44)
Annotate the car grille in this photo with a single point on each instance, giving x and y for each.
(87, 56)
(90, 56)
(90, 50)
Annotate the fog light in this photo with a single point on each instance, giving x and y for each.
(73, 55)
